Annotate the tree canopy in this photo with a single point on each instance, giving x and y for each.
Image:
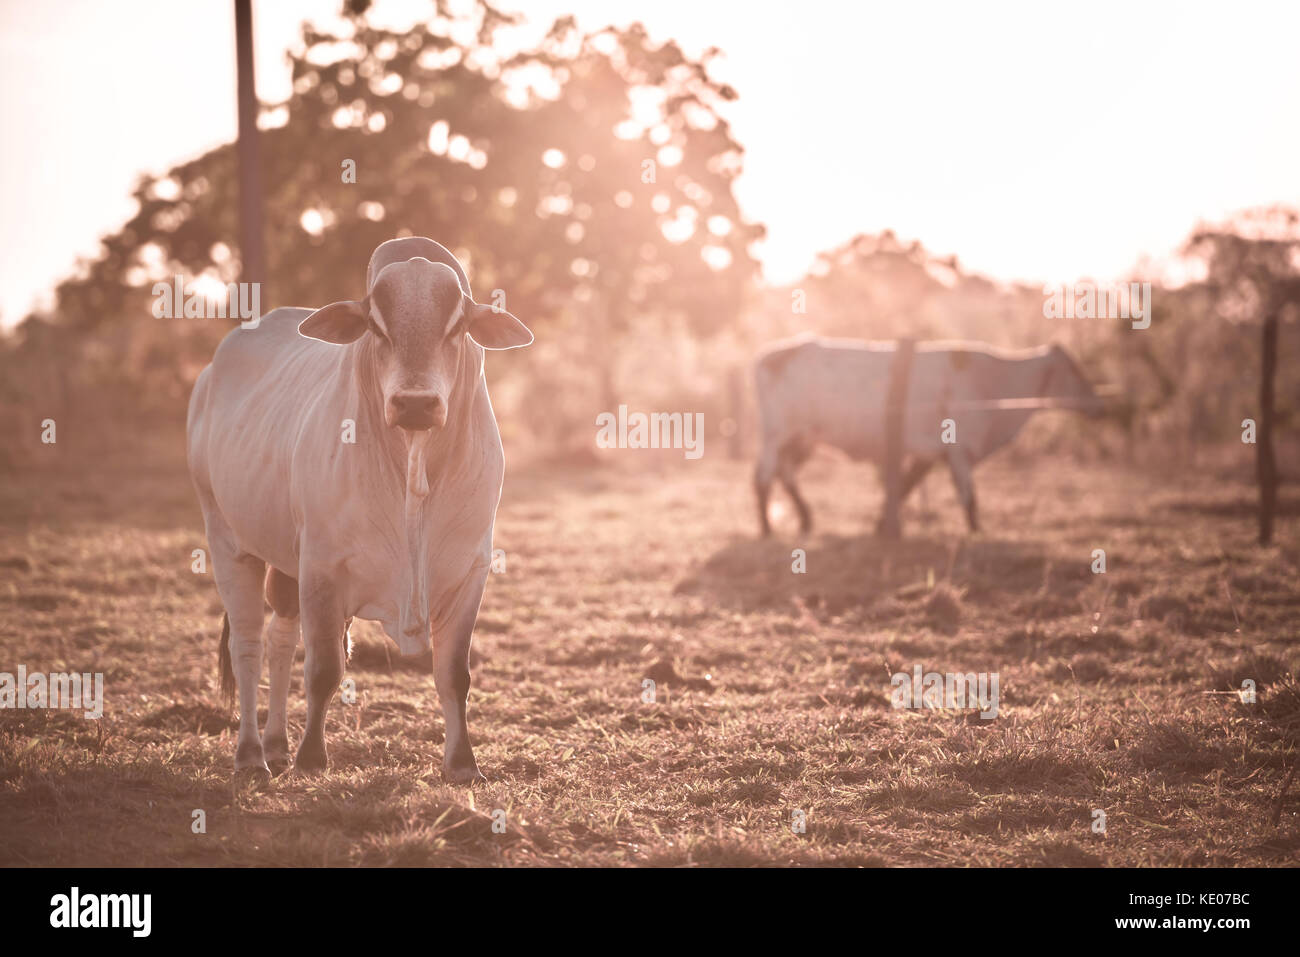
(588, 168)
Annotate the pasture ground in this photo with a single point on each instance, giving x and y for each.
(773, 690)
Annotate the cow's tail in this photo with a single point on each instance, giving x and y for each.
(224, 665)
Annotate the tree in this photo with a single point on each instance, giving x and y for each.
(594, 168)
(1253, 273)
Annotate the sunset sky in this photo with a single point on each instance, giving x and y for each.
(1034, 141)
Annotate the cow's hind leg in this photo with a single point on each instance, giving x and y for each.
(282, 635)
(323, 632)
(793, 454)
(964, 481)
(764, 472)
(451, 673)
(917, 469)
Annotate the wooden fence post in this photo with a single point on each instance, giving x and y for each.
(1265, 463)
(900, 369)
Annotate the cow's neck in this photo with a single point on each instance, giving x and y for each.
(418, 468)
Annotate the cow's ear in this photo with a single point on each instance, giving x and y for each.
(339, 322)
(494, 328)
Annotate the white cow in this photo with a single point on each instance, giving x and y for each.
(349, 456)
(833, 391)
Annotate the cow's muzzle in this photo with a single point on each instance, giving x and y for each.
(418, 411)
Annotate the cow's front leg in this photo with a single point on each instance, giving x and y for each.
(282, 642)
(239, 582)
(451, 674)
(323, 635)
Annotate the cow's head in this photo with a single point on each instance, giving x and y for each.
(421, 319)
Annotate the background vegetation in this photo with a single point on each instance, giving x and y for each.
(532, 164)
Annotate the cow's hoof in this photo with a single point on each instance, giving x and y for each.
(256, 777)
(311, 760)
(468, 774)
(278, 766)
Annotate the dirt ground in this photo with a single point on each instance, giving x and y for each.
(772, 691)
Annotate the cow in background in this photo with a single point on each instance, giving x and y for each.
(834, 392)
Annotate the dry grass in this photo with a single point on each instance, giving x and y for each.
(773, 690)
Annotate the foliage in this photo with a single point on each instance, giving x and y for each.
(529, 164)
